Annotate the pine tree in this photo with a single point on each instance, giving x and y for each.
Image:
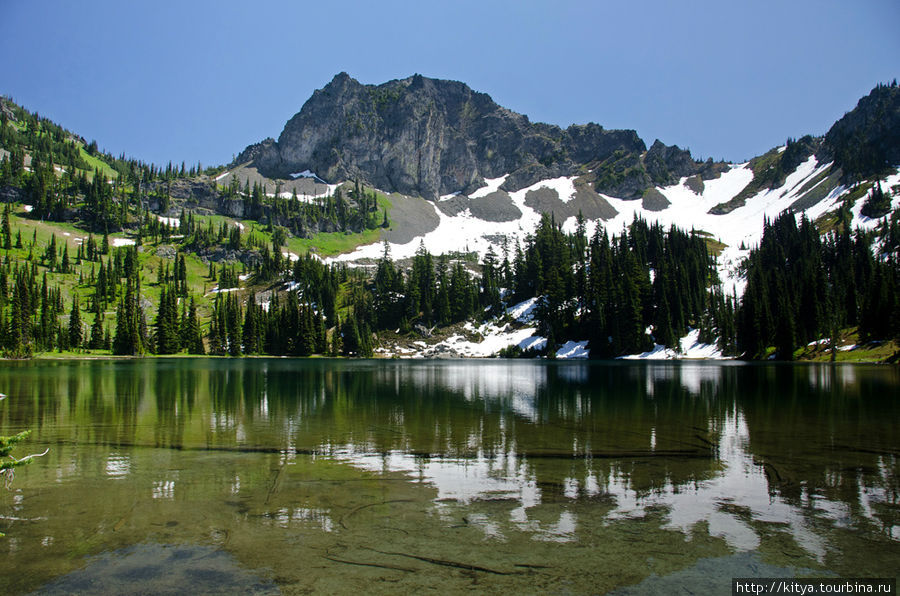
(252, 330)
(442, 305)
(233, 325)
(96, 341)
(193, 338)
(65, 265)
(5, 231)
(130, 325)
(490, 284)
(75, 331)
(167, 337)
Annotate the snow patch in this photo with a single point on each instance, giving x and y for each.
(869, 223)
(494, 339)
(691, 348)
(572, 350)
(306, 197)
(122, 242)
(742, 225)
(222, 175)
(564, 187)
(172, 222)
(27, 208)
(523, 311)
(491, 185)
(535, 342)
(460, 233)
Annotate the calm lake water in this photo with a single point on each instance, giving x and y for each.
(331, 476)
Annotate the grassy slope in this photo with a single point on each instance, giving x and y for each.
(96, 162)
(36, 236)
(328, 244)
(872, 352)
(198, 283)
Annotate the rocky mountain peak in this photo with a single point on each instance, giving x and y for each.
(427, 137)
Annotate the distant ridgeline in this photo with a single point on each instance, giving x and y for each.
(430, 137)
(112, 255)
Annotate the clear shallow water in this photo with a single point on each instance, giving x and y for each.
(269, 475)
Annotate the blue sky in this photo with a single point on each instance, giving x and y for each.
(198, 81)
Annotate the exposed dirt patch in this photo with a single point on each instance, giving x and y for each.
(411, 217)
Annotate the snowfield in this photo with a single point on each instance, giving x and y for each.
(564, 187)
(740, 230)
(687, 210)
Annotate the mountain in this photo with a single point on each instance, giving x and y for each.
(480, 165)
(429, 137)
(488, 173)
(547, 241)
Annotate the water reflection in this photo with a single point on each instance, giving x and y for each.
(800, 461)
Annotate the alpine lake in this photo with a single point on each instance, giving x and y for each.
(286, 476)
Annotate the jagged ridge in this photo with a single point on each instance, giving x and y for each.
(430, 137)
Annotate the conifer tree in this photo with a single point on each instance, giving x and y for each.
(65, 265)
(5, 231)
(96, 341)
(233, 325)
(130, 325)
(75, 331)
(193, 338)
(252, 330)
(167, 337)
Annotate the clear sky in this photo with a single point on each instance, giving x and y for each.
(198, 81)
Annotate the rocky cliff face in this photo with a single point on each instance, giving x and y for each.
(428, 137)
